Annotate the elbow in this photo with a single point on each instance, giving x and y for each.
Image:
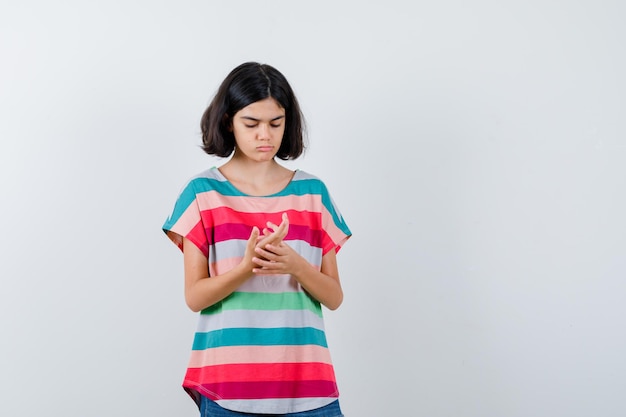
(196, 303)
(335, 304)
(192, 303)
(193, 307)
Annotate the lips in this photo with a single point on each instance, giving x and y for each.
(265, 148)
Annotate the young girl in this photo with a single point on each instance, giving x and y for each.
(259, 244)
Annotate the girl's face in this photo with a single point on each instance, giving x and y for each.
(258, 129)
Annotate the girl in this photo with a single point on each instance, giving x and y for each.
(259, 244)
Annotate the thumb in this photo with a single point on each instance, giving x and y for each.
(254, 234)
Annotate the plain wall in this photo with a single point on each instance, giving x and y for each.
(476, 150)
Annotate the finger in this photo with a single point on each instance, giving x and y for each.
(279, 231)
(263, 241)
(264, 263)
(272, 237)
(273, 249)
(284, 222)
(254, 234)
(260, 262)
(271, 227)
(267, 270)
(266, 254)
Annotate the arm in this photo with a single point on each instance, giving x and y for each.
(202, 291)
(280, 258)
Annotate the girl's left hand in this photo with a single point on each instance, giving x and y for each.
(274, 233)
(277, 258)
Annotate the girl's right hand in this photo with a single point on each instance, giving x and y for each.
(250, 246)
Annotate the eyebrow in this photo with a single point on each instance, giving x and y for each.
(254, 119)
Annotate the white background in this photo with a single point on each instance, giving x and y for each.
(476, 149)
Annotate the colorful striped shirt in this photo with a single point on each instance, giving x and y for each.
(263, 348)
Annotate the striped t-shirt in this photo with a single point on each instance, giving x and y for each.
(263, 348)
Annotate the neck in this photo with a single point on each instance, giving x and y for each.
(252, 169)
(256, 178)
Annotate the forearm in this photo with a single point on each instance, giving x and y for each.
(204, 292)
(323, 284)
(324, 288)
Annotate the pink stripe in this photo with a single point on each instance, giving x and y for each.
(189, 226)
(212, 199)
(187, 221)
(262, 390)
(338, 238)
(254, 354)
(223, 265)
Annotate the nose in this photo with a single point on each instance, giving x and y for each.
(264, 131)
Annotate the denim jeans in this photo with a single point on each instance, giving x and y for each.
(209, 408)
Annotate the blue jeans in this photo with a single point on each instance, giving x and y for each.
(209, 408)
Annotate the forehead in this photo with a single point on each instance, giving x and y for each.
(266, 108)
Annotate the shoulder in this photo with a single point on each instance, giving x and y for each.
(307, 183)
(208, 175)
(304, 177)
(207, 180)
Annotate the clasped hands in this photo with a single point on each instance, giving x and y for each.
(270, 255)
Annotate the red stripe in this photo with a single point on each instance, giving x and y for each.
(262, 372)
(224, 224)
(263, 390)
(225, 215)
(198, 237)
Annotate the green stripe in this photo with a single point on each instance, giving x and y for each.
(266, 301)
(259, 337)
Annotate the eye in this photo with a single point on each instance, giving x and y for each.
(275, 125)
(250, 126)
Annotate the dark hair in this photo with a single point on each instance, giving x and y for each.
(248, 83)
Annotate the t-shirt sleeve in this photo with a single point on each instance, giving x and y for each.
(335, 228)
(186, 221)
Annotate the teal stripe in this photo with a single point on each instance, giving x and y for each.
(316, 187)
(297, 187)
(259, 337)
(330, 206)
(266, 301)
(188, 197)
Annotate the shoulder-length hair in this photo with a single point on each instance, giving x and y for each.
(248, 83)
